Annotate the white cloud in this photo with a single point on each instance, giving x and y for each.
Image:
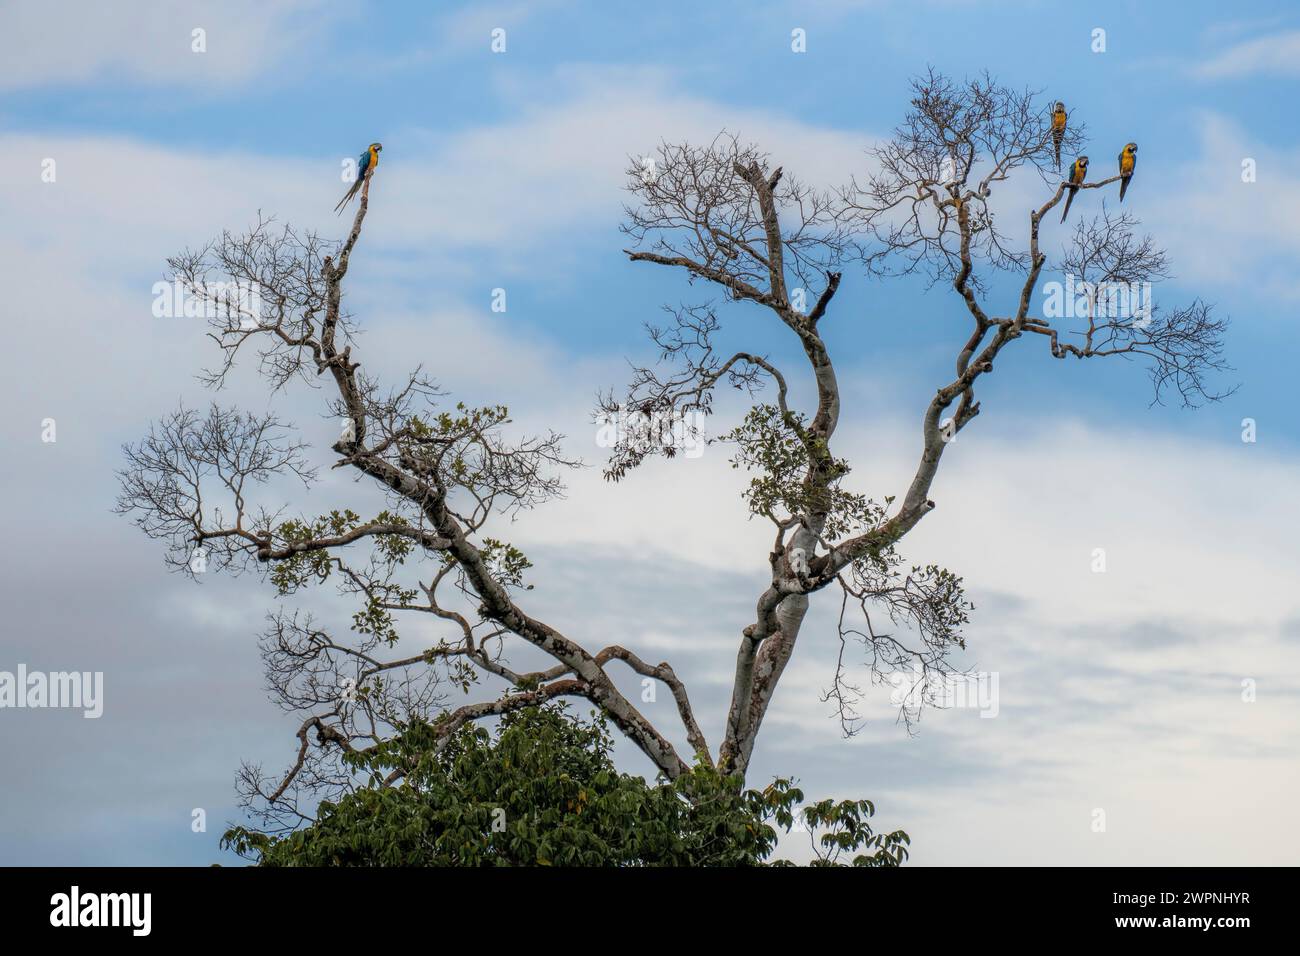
(470, 28)
(560, 168)
(151, 41)
(1119, 690)
(511, 186)
(1277, 54)
(1220, 231)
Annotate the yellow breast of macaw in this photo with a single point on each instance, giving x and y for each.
(1058, 121)
(1126, 161)
(374, 157)
(1077, 173)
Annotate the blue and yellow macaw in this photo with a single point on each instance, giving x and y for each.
(365, 165)
(1127, 163)
(1058, 130)
(1078, 172)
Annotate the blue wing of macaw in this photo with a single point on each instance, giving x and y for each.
(364, 162)
(1076, 176)
(362, 165)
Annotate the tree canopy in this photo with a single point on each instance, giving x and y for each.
(542, 789)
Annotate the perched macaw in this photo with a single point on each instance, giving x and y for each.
(1058, 129)
(368, 161)
(1078, 172)
(1127, 163)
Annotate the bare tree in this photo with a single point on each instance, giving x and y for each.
(724, 216)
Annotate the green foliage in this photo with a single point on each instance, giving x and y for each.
(848, 831)
(543, 791)
(454, 434)
(374, 619)
(777, 449)
(298, 570)
(928, 599)
(506, 562)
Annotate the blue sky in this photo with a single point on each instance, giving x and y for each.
(504, 170)
(329, 79)
(389, 76)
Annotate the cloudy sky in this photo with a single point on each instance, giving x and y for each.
(1119, 691)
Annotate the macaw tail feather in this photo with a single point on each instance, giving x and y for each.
(1068, 199)
(1123, 187)
(350, 193)
(1057, 142)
